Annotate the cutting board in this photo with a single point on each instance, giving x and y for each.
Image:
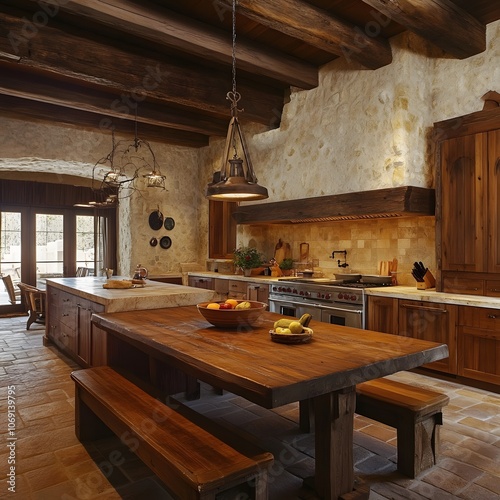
(282, 251)
(304, 252)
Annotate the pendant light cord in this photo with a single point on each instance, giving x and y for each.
(234, 96)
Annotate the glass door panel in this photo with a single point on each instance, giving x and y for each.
(49, 246)
(10, 251)
(85, 243)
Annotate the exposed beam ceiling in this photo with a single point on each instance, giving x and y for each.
(87, 63)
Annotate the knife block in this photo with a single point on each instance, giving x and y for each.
(429, 281)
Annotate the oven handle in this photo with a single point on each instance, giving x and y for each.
(291, 302)
(355, 311)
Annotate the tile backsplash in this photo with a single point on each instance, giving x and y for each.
(367, 242)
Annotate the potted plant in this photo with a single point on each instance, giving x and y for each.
(286, 265)
(247, 258)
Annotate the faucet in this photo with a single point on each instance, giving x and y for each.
(343, 264)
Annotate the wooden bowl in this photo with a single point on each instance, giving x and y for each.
(233, 318)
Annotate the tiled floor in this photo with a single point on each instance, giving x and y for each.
(51, 464)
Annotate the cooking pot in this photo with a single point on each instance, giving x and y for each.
(376, 279)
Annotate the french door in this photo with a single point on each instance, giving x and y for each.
(37, 243)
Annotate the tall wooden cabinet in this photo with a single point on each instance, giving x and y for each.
(467, 212)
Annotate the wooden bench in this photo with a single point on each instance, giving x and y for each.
(413, 411)
(192, 462)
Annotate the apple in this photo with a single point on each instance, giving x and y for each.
(226, 306)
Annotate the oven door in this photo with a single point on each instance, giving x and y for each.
(345, 315)
(287, 307)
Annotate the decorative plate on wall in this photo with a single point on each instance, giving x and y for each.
(169, 223)
(165, 242)
(156, 220)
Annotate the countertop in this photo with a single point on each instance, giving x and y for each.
(398, 292)
(154, 295)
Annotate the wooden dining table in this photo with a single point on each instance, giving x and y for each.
(246, 362)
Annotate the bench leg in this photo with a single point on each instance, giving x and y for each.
(88, 426)
(417, 445)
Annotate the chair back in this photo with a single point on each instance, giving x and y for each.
(82, 271)
(9, 286)
(34, 298)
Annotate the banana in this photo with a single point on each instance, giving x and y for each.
(305, 319)
(283, 323)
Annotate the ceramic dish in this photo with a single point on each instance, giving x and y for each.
(165, 242)
(169, 223)
(233, 318)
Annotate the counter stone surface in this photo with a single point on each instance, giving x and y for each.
(397, 292)
(412, 293)
(154, 295)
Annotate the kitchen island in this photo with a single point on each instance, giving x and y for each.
(72, 301)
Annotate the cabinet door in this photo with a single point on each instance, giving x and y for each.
(258, 292)
(83, 332)
(382, 314)
(433, 322)
(200, 282)
(237, 289)
(479, 344)
(493, 201)
(464, 203)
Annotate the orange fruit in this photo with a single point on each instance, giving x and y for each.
(213, 305)
(233, 302)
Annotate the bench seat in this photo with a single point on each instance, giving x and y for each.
(416, 414)
(192, 462)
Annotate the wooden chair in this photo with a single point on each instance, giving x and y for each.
(14, 296)
(82, 271)
(35, 302)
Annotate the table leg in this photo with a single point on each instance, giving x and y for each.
(334, 427)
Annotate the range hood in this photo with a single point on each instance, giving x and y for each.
(376, 204)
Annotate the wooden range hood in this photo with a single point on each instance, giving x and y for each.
(380, 203)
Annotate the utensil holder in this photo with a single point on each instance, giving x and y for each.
(429, 281)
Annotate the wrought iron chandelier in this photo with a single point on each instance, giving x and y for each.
(125, 162)
(236, 180)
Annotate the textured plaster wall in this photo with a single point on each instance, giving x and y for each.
(362, 130)
(358, 130)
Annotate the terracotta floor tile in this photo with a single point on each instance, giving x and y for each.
(56, 465)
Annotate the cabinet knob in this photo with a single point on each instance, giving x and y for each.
(492, 316)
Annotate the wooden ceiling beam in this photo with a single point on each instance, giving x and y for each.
(318, 28)
(441, 22)
(138, 74)
(19, 81)
(173, 31)
(22, 108)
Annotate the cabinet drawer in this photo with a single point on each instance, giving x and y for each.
(465, 286)
(493, 288)
(480, 317)
(237, 287)
(221, 286)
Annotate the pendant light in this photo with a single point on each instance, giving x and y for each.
(236, 180)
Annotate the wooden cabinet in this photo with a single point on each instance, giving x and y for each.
(70, 328)
(479, 344)
(258, 292)
(237, 289)
(201, 282)
(382, 314)
(434, 322)
(467, 210)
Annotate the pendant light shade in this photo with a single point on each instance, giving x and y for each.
(236, 180)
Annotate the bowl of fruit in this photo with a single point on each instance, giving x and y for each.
(232, 313)
(292, 331)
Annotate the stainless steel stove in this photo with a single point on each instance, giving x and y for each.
(327, 300)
